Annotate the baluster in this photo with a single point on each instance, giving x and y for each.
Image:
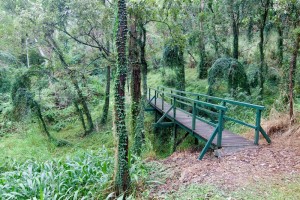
(220, 131)
(155, 94)
(257, 128)
(163, 100)
(194, 116)
(174, 107)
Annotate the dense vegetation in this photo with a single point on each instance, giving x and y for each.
(65, 133)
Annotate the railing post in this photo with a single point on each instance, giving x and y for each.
(149, 93)
(171, 98)
(220, 128)
(155, 93)
(257, 128)
(194, 116)
(163, 101)
(174, 107)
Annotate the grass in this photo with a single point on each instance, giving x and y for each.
(272, 190)
(32, 143)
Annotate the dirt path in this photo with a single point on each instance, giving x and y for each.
(238, 170)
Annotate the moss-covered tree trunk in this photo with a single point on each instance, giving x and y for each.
(140, 128)
(85, 108)
(293, 66)
(122, 177)
(135, 66)
(107, 95)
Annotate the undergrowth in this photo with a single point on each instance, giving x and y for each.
(87, 175)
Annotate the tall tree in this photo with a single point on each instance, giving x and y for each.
(122, 176)
(264, 8)
(135, 67)
(293, 66)
(202, 64)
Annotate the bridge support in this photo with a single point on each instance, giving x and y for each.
(175, 128)
(208, 143)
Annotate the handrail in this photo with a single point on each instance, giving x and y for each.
(238, 103)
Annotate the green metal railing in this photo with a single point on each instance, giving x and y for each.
(224, 102)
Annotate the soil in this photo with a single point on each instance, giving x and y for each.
(238, 169)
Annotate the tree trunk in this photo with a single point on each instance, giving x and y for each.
(85, 108)
(75, 83)
(262, 61)
(214, 33)
(78, 110)
(139, 137)
(135, 66)
(180, 72)
(202, 64)
(280, 45)
(235, 29)
(122, 177)
(263, 20)
(40, 116)
(293, 66)
(107, 95)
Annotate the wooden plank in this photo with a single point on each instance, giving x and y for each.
(202, 129)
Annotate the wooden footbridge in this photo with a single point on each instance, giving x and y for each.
(203, 117)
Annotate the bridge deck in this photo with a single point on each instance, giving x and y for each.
(202, 129)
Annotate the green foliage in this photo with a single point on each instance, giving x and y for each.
(35, 59)
(84, 176)
(174, 59)
(252, 74)
(230, 70)
(5, 82)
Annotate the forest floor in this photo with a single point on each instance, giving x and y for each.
(265, 172)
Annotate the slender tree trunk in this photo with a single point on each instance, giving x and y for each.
(235, 29)
(293, 66)
(280, 45)
(202, 64)
(262, 60)
(214, 33)
(122, 177)
(180, 72)
(27, 53)
(135, 66)
(85, 108)
(40, 116)
(107, 95)
(234, 15)
(75, 83)
(78, 110)
(262, 68)
(139, 136)
(250, 29)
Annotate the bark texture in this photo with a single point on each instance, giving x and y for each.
(122, 177)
